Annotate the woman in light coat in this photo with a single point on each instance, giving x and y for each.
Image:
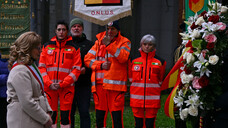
(28, 106)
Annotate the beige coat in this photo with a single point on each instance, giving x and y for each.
(27, 107)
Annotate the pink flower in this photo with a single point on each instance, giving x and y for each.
(210, 38)
(204, 52)
(221, 24)
(195, 83)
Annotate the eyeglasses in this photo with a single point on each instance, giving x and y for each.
(59, 29)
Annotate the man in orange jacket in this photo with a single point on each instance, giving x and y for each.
(108, 59)
(146, 73)
(60, 64)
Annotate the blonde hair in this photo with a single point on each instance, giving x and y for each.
(21, 49)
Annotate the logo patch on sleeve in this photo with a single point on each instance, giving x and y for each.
(137, 68)
(50, 51)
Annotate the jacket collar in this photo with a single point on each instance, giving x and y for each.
(63, 42)
(149, 55)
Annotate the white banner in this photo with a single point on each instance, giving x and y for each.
(101, 13)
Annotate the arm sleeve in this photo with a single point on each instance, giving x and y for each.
(90, 58)
(129, 70)
(162, 73)
(73, 76)
(42, 68)
(122, 53)
(3, 79)
(23, 87)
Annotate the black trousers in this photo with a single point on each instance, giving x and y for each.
(116, 118)
(149, 122)
(82, 101)
(3, 111)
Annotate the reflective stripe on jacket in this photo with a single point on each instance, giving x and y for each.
(117, 52)
(60, 62)
(147, 73)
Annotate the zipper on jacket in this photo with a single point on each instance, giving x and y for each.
(58, 64)
(145, 83)
(149, 73)
(63, 59)
(55, 57)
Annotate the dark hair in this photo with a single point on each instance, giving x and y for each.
(62, 22)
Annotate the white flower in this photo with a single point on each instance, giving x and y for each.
(210, 26)
(215, 27)
(190, 58)
(184, 113)
(209, 3)
(182, 68)
(205, 33)
(185, 37)
(216, 6)
(186, 78)
(199, 21)
(207, 25)
(180, 93)
(184, 42)
(195, 34)
(200, 62)
(187, 22)
(195, 97)
(224, 9)
(213, 59)
(192, 100)
(189, 102)
(193, 111)
(204, 70)
(178, 101)
(191, 19)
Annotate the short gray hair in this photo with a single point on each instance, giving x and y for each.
(148, 39)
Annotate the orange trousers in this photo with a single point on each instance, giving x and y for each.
(108, 100)
(65, 96)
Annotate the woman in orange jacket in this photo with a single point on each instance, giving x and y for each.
(60, 66)
(146, 74)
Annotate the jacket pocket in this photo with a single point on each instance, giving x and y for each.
(119, 100)
(137, 72)
(155, 70)
(155, 74)
(67, 58)
(50, 58)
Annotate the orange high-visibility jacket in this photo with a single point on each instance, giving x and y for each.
(60, 62)
(117, 52)
(147, 73)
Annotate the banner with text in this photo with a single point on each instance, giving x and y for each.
(14, 20)
(102, 11)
